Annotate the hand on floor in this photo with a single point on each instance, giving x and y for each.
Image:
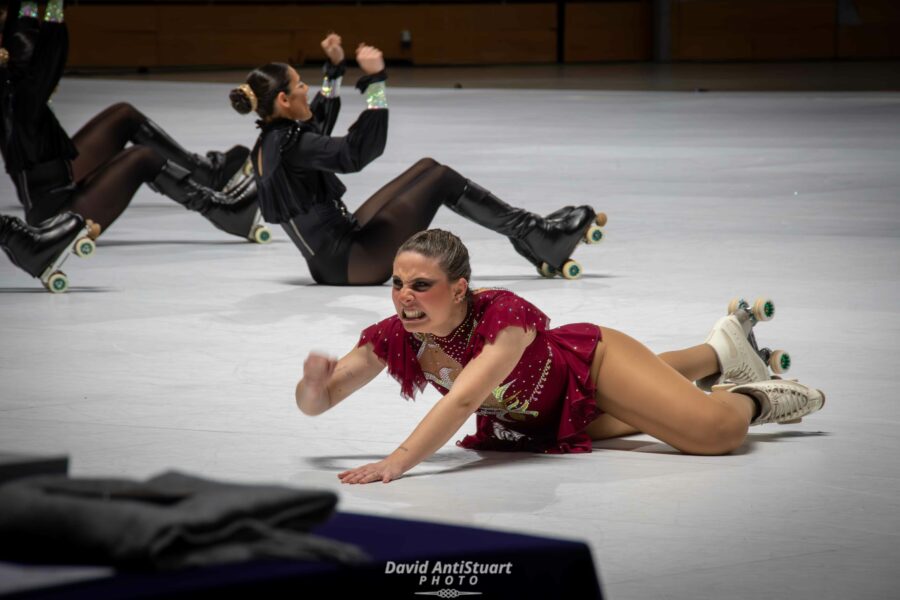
(384, 470)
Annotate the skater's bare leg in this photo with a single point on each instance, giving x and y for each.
(692, 363)
(607, 426)
(636, 387)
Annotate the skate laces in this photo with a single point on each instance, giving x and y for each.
(787, 401)
(740, 373)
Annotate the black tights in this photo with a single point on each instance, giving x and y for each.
(107, 174)
(406, 205)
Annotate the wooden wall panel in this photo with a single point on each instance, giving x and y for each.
(753, 29)
(196, 35)
(157, 35)
(877, 35)
(608, 32)
(507, 34)
(113, 36)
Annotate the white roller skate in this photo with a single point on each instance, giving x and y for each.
(781, 400)
(740, 359)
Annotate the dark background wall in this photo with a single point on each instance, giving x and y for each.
(239, 34)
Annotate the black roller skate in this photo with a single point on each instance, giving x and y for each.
(234, 210)
(214, 170)
(546, 242)
(40, 252)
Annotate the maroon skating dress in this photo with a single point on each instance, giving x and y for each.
(542, 406)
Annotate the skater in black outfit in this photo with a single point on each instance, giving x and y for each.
(93, 174)
(295, 160)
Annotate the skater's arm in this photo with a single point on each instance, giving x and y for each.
(367, 137)
(327, 381)
(38, 53)
(326, 105)
(348, 154)
(474, 383)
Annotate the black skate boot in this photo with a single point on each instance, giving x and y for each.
(547, 244)
(41, 252)
(93, 229)
(234, 213)
(213, 170)
(568, 217)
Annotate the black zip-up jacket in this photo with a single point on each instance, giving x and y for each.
(299, 162)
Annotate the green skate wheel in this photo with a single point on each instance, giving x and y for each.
(571, 270)
(547, 271)
(261, 234)
(734, 304)
(85, 247)
(763, 309)
(57, 283)
(779, 361)
(593, 235)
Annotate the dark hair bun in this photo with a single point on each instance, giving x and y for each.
(239, 101)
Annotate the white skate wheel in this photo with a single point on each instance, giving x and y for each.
(57, 283)
(547, 271)
(85, 247)
(601, 219)
(733, 305)
(763, 309)
(261, 234)
(571, 270)
(779, 361)
(594, 235)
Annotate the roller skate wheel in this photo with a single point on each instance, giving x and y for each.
(763, 309)
(261, 235)
(57, 283)
(547, 271)
(85, 247)
(733, 305)
(779, 361)
(93, 229)
(594, 235)
(571, 270)
(601, 219)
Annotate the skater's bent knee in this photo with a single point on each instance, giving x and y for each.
(426, 162)
(716, 435)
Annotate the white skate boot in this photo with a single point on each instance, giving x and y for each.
(740, 359)
(781, 400)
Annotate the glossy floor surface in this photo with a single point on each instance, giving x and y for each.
(178, 347)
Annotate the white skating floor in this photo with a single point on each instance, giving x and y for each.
(178, 347)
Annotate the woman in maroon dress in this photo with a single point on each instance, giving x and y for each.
(534, 388)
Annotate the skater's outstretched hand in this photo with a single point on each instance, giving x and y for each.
(333, 49)
(370, 59)
(327, 381)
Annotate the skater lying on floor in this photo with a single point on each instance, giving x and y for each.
(295, 160)
(539, 389)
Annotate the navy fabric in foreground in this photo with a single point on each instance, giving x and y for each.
(437, 560)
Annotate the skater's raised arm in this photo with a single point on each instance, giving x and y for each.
(326, 105)
(37, 53)
(327, 381)
(366, 138)
(472, 386)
